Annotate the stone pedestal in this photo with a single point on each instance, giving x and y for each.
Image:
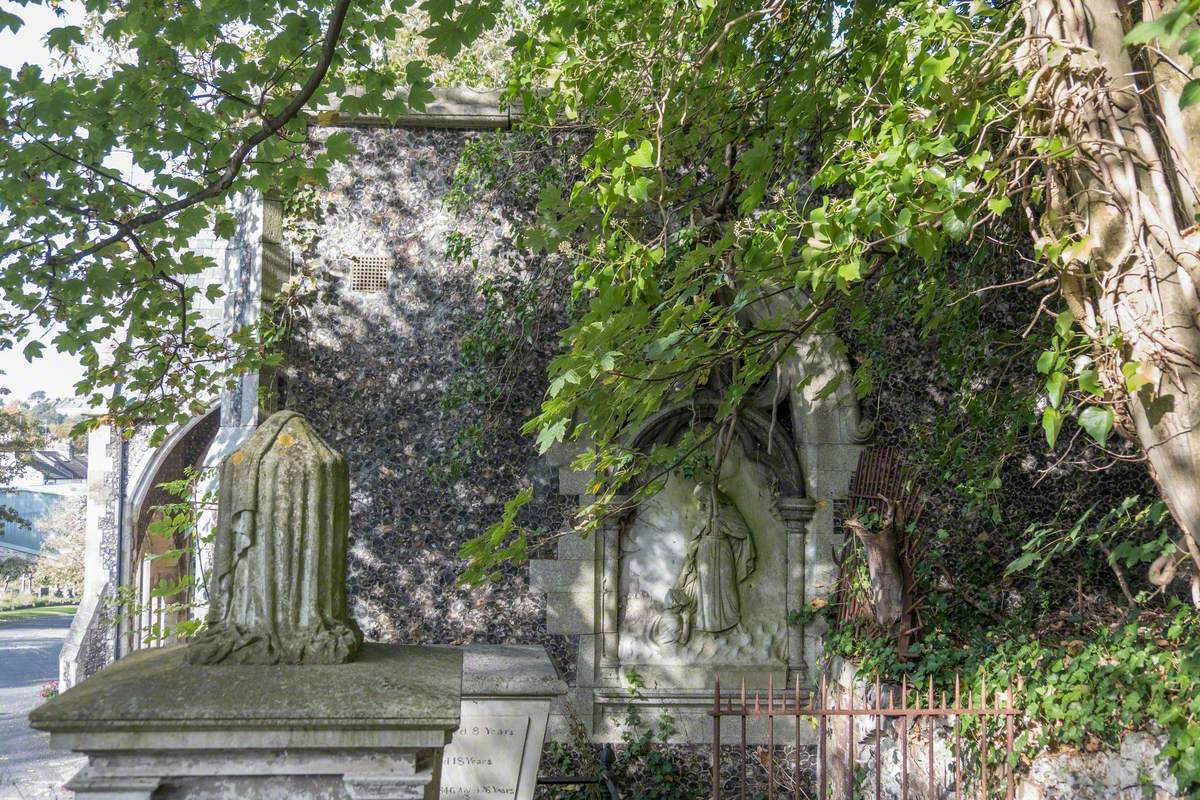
(154, 727)
(506, 698)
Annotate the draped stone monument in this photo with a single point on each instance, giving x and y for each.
(277, 697)
(279, 570)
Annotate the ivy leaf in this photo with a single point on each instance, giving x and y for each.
(1089, 381)
(640, 189)
(1190, 94)
(1098, 422)
(1045, 361)
(998, 205)
(1052, 420)
(642, 157)
(1056, 384)
(1021, 562)
(1063, 323)
(955, 226)
(1133, 378)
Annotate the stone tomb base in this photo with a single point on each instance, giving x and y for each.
(153, 726)
(506, 697)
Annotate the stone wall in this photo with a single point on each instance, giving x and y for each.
(394, 358)
(1134, 771)
(377, 364)
(91, 642)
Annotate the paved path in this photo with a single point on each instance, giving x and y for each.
(29, 769)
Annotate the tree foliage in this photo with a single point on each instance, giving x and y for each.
(739, 151)
(61, 561)
(206, 98)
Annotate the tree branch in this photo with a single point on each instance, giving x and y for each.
(219, 185)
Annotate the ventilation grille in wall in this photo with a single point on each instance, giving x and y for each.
(369, 273)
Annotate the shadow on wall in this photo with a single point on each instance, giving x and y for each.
(432, 436)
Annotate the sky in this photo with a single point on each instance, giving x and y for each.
(54, 373)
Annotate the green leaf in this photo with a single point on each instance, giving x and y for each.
(33, 350)
(62, 39)
(1133, 378)
(1056, 384)
(955, 226)
(446, 38)
(1089, 381)
(1190, 94)
(849, 270)
(1045, 361)
(420, 94)
(1021, 562)
(10, 21)
(550, 435)
(998, 205)
(1063, 323)
(1052, 420)
(1098, 422)
(640, 189)
(642, 157)
(338, 146)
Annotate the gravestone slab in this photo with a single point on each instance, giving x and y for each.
(155, 727)
(485, 757)
(496, 751)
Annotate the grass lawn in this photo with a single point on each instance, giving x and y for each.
(42, 611)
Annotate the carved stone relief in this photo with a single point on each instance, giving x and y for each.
(645, 594)
(703, 572)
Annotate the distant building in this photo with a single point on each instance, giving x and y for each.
(46, 478)
(55, 467)
(31, 504)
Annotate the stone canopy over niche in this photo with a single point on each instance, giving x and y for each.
(682, 596)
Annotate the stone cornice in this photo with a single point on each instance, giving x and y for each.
(450, 108)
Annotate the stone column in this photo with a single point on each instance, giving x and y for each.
(797, 512)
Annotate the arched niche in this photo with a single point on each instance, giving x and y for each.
(151, 559)
(801, 430)
(741, 619)
(762, 438)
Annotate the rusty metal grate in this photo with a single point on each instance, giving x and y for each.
(923, 708)
(881, 476)
(369, 274)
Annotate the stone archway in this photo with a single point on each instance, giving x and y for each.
(154, 560)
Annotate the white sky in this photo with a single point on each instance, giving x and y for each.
(54, 373)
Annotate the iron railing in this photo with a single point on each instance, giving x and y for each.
(822, 707)
(602, 781)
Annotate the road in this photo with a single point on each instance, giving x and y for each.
(29, 769)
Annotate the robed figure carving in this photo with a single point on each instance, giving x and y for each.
(720, 555)
(278, 586)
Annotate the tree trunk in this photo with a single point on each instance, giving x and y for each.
(1129, 195)
(882, 548)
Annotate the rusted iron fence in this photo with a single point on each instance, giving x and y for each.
(987, 774)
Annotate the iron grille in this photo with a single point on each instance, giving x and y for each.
(369, 274)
